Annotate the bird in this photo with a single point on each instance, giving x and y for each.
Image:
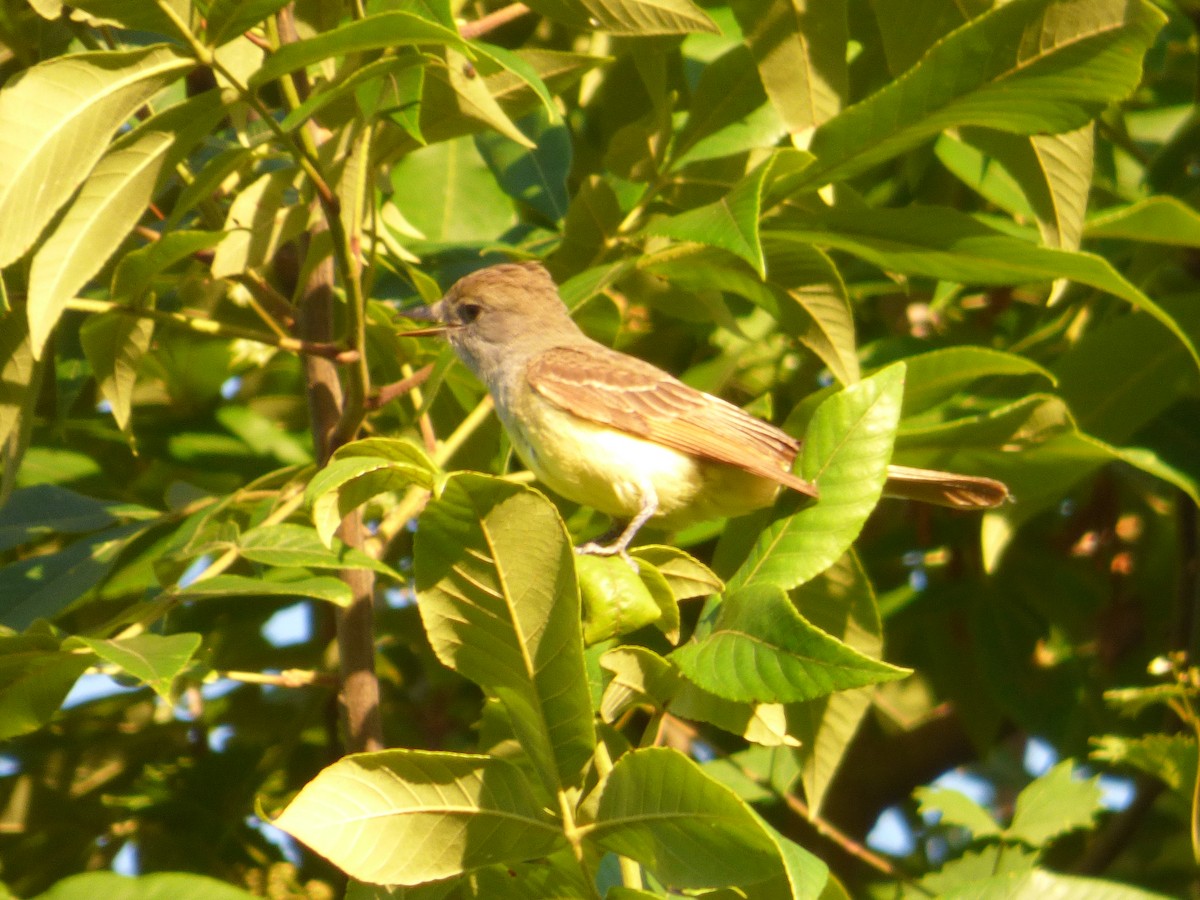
(618, 434)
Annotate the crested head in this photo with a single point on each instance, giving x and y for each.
(505, 314)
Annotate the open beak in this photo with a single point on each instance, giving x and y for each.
(425, 314)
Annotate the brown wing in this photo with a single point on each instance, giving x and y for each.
(604, 386)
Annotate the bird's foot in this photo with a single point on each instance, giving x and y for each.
(617, 548)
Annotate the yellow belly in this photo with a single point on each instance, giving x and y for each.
(613, 472)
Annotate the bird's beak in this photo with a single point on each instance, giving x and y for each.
(431, 314)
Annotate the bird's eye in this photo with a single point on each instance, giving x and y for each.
(469, 312)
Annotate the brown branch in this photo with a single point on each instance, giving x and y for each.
(390, 392)
(359, 695)
(492, 21)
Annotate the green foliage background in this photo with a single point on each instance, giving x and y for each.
(950, 234)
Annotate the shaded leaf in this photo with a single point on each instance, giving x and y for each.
(228, 19)
(34, 678)
(938, 375)
(840, 602)
(945, 244)
(287, 544)
(1157, 220)
(114, 345)
(136, 270)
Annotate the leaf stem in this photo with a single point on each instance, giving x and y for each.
(214, 328)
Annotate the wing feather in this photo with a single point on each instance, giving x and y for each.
(611, 388)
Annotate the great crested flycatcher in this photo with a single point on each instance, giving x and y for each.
(620, 435)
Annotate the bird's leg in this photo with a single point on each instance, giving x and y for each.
(620, 546)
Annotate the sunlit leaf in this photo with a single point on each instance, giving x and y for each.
(635, 17)
(661, 809)
(846, 451)
(55, 122)
(1054, 804)
(408, 816)
(761, 649)
(1039, 66)
(376, 32)
(154, 659)
(498, 596)
(800, 50)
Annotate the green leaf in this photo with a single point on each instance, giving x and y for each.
(1054, 171)
(34, 678)
(20, 387)
(471, 99)
(909, 29)
(822, 319)
(536, 177)
(730, 223)
(363, 470)
(1112, 402)
(1171, 758)
(945, 244)
(110, 203)
(114, 345)
(760, 649)
(157, 886)
(729, 112)
(470, 207)
(765, 724)
(686, 576)
(633, 17)
(956, 808)
(1038, 884)
(800, 51)
(136, 270)
(840, 602)
(55, 123)
(316, 587)
(376, 32)
(495, 577)
(938, 375)
(1027, 67)
(659, 808)
(639, 676)
(42, 510)
(846, 453)
(618, 600)
(992, 860)
(40, 587)
(136, 15)
(368, 814)
(1156, 220)
(1054, 804)
(287, 544)
(228, 19)
(154, 659)
(262, 217)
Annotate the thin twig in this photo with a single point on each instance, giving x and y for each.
(492, 21)
(213, 328)
(390, 392)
